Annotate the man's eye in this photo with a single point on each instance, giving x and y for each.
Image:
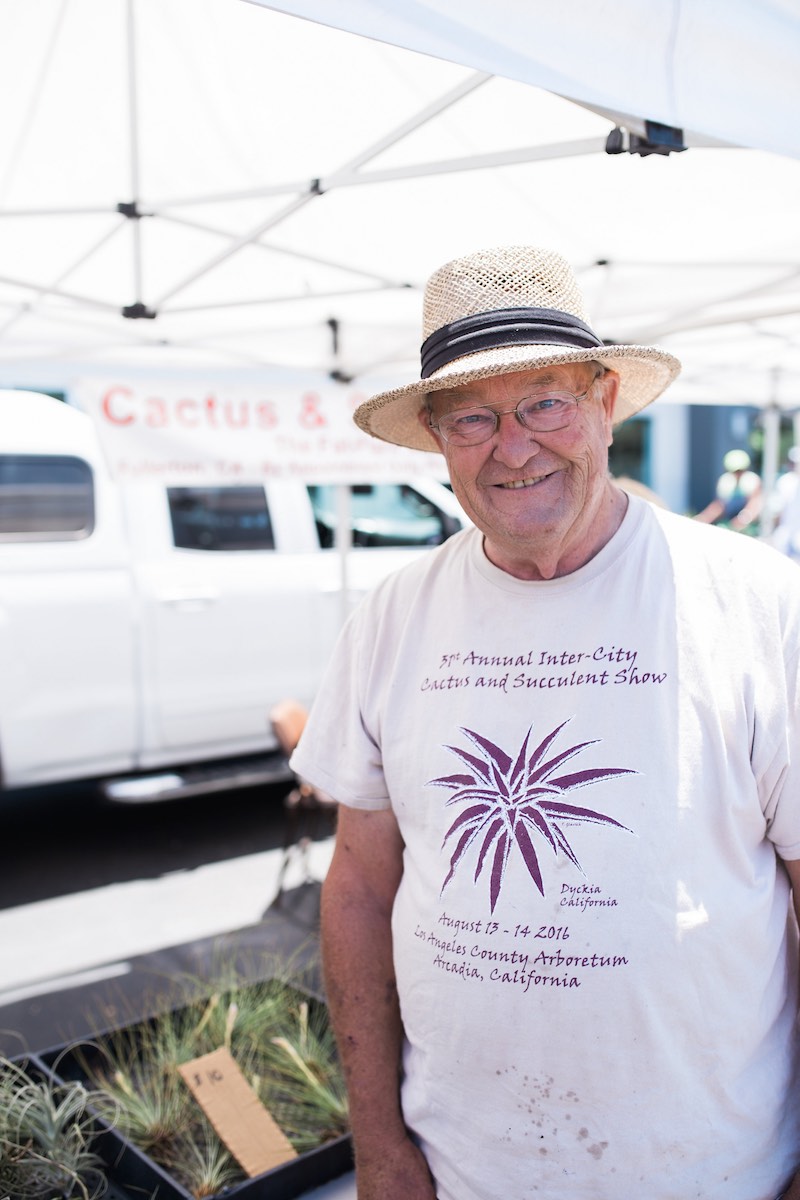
(546, 404)
(469, 421)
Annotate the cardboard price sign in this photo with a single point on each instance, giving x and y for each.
(241, 1120)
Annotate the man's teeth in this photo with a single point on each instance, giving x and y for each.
(521, 483)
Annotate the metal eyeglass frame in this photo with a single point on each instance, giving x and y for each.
(568, 415)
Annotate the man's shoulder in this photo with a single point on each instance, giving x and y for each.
(721, 552)
(399, 592)
(437, 560)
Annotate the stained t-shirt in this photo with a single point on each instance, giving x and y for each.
(591, 776)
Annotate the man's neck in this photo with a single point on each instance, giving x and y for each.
(552, 560)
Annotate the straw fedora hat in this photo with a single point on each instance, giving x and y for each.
(516, 308)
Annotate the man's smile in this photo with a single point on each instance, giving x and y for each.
(523, 483)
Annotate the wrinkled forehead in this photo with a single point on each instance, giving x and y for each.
(512, 387)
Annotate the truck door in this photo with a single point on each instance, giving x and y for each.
(226, 615)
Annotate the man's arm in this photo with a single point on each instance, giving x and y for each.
(751, 511)
(711, 513)
(357, 899)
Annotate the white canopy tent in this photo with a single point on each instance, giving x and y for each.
(726, 68)
(216, 188)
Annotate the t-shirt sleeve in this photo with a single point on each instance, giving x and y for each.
(339, 751)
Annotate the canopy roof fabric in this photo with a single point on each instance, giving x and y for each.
(216, 186)
(727, 68)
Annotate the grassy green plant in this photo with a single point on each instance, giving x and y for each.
(151, 1104)
(304, 1081)
(278, 1036)
(46, 1133)
(204, 1161)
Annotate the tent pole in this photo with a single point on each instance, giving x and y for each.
(343, 542)
(770, 463)
(133, 131)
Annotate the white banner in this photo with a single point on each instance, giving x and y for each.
(184, 433)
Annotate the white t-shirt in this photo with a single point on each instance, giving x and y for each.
(591, 776)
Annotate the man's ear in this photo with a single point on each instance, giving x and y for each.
(424, 418)
(609, 386)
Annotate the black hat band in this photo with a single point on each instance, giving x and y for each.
(504, 327)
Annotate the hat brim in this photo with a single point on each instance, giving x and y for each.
(393, 416)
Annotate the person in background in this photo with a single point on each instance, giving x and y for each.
(737, 497)
(786, 536)
(557, 934)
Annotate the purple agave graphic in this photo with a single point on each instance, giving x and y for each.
(509, 800)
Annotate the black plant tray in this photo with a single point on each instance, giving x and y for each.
(140, 1177)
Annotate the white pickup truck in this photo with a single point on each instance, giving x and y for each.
(146, 631)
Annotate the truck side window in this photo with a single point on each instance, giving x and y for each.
(220, 518)
(382, 514)
(45, 498)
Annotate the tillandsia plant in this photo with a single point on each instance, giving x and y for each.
(203, 1162)
(46, 1134)
(306, 1083)
(279, 1037)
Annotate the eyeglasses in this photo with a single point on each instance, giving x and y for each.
(543, 412)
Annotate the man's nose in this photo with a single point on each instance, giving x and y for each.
(514, 442)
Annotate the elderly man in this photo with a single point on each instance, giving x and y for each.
(558, 941)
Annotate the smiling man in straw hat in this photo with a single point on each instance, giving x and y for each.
(556, 927)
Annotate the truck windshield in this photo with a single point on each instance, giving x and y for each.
(382, 514)
(220, 518)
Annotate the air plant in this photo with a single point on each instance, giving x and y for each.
(205, 1163)
(152, 1105)
(46, 1134)
(305, 1081)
